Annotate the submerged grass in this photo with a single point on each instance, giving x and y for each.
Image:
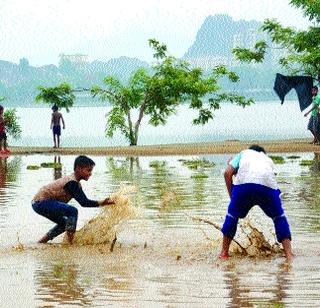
(277, 159)
(198, 163)
(51, 165)
(33, 167)
(306, 162)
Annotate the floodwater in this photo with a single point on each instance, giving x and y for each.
(85, 126)
(163, 257)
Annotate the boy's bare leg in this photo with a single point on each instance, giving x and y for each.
(225, 247)
(70, 236)
(44, 239)
(58, 138)
(286, 243)
(54, 141)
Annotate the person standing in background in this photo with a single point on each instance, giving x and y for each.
(56, 120)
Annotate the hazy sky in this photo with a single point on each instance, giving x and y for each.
(40, 30)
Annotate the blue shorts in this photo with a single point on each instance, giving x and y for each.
(56, 130)
(244, 197)
(64, 215)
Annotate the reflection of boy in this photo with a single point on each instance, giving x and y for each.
(51, 200)
(254, 184)
(55, 125)
(3, 135)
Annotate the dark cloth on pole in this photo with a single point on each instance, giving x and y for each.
(302, 85)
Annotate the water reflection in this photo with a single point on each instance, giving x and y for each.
(123, 169)
(9, 170)
(248, 288)
(57, 169)
(58, 282)
(70, 277)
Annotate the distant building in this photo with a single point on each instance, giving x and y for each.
(208, 62)
(76, 58)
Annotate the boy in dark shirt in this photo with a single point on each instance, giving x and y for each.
(51, 200)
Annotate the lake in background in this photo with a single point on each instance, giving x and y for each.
(85, 126)
(162, 258)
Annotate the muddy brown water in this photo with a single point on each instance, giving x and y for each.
(163, 257)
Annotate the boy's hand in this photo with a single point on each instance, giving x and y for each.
(107, 201)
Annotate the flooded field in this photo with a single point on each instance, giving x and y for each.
(166, 254)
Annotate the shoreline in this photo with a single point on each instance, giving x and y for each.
(218, 147)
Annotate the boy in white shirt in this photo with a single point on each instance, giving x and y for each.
(254, 184)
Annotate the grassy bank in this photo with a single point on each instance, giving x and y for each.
(274, 146)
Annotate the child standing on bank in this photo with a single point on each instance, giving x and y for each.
(51, 200)
(254, 184)
(3, 135)
(56, 120)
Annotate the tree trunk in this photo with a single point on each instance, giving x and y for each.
(137, 125)
(132, 138)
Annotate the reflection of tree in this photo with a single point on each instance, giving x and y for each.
(199, 189)
(125, 169)
(13, 168)
(160, 188)
(241, 282)
(58, 282)
(57, 169)
(62, 280)
(3, 172)
(166, 186)
(9, 170)
(303, 194)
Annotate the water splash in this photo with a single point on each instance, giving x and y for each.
(102, 228)
(250, 239)
(255, 241)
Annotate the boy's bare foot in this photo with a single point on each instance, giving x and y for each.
(223, 257)
(290, 257)
(44, 239)
(70, 236)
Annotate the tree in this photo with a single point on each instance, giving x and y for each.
(62, 96)
(302, 52)
(158, 93)
(10, 117)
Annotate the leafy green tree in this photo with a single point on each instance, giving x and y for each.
(11, 121)
(158, 93)
(301, 47)
(62, 96)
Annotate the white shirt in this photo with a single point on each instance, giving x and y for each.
(254, 167)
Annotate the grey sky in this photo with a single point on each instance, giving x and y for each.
(42, 29)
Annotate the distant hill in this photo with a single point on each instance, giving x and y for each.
(213, 44)
(19, 82)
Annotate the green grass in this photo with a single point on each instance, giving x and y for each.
(33, 167)
(51, 165)
(293, 157)
(306, 162)
(277, 159)
(199, 176)
(198, 163)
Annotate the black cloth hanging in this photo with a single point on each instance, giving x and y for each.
(302, 85)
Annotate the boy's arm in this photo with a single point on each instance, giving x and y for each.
(63, 122)
(51, 125)
(228, 174)
(314, 107)
(73, 188)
